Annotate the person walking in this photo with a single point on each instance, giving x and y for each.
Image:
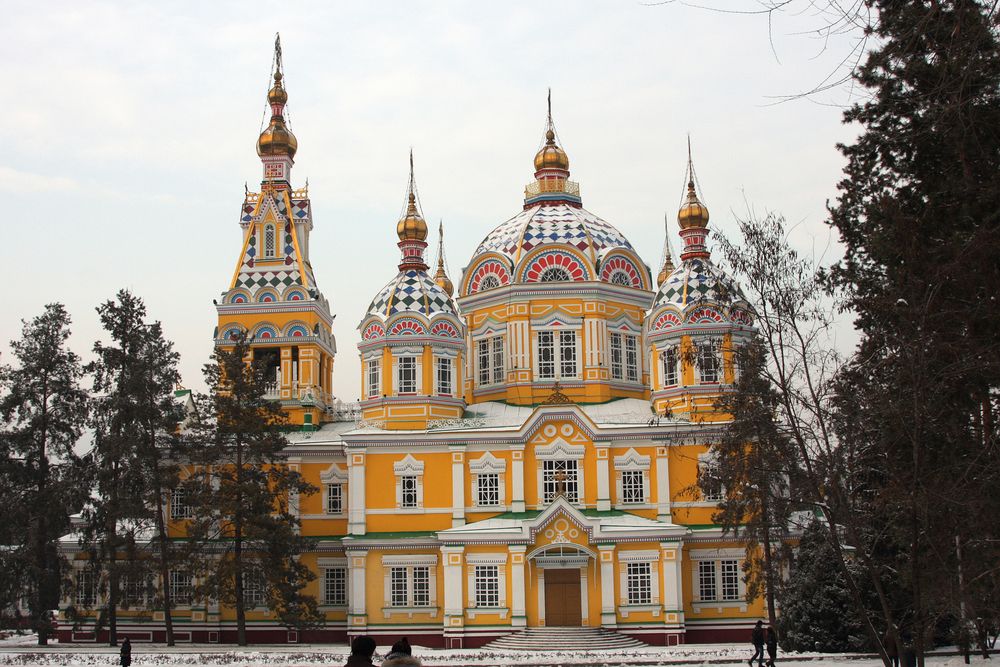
(126, 652)
(772, 645)
(362, 650)
(757, 638)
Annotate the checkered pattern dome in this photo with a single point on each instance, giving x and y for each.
(411, 292)
(697, 280)
(540, 225)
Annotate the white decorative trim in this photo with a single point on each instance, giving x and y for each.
(486, 559)
(408, 466)
(713, 554)
(632, 460)
(559, 450)
(488, 463)
(333, 475)
(419, 559)
(331, 562)
(644, 556)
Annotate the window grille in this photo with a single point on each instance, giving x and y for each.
(86, 591)
(633, 482)
(407, 369)
(670, 367)
(408, 489)
(554, 274)
(546, 355)
(488, 489)
(180, 587)
(443, 367)
(487, 580)
(567, 346)
(639, 583)
(398, 587)
(484, 361)
(253, 588)
(708, 363)
(421, 587)
(179, 508)
(334, 498)
(617, 367)
(335, 586)
(269, 241)
(730, 579)
(631, 359)
(374, 378)
(706, 580)
(498, 359)
(552, 471)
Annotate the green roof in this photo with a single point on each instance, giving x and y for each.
(396, 535)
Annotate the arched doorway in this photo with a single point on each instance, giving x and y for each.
(562, 579)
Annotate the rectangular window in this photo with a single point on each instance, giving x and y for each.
(421, 587)
(708, 363)
(179, 509)
(498, 375)
(406, 368)
(443, 376)
(706, 580)
(398, 587)
(631, 359)
(617, 367)
(487, 579)
(135, 589)
(567, 350)
(335, 586)
(180, 587)
(374, 378)
(408, 491)
(730, 579)
(639, 583)
(86, 591)
(253, 588)
(334, 498)
(560, 475)
(546, 355)
(488, 489)
(483, 349)
(633, 483)
(669, 367)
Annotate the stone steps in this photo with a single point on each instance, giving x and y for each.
(562, 638)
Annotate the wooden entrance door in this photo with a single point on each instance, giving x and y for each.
(562, 598)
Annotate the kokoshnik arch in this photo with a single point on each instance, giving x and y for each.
(522, 445)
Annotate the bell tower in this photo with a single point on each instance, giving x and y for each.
(273, 296)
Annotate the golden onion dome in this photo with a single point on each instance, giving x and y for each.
(277, 139)
(551, 156)
(693, 213)
(443, 281)
(668, 268)
(411, 226)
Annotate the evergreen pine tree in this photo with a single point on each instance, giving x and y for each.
(243, 493)
(43, 411)
(817, 610)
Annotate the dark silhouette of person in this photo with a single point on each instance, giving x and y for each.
(771, 640)
(362, 650)
(401, 655)
(126, 652)
(757, 638)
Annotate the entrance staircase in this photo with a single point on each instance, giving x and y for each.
(562, 638)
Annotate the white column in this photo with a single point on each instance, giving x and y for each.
(606, 552)
(603, 479)
(457, 485)
(518, 614)
(671, 576)
(540, 584)
(357, 617)
(517, 480)
(663, 485)
(356, 524)
(584, 598)
(451, 557)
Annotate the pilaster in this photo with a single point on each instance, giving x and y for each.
(671, 576)
(603, 478)
(356, 524)
(454, 610)
(357, 614)
(518, 563)
(609, 618)
(457, 485)
(663, 485)
(517, 479)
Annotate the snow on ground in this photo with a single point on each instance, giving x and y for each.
(18, 651)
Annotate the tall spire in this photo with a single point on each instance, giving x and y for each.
(276, 145)
(668, 253)
(551, 184)
(441, 277)
(411, 229)
(693, 218)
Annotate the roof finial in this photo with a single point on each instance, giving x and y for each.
(278, 67)
(550, 106)
(411, 195)
(441, 277)
(690, 164)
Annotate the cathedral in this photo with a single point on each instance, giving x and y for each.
(526, 445)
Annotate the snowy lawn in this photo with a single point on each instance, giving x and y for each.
(18, 651)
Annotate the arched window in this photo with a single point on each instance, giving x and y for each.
(621, 278)
(554, 274)
(269, 241)
(489, 282)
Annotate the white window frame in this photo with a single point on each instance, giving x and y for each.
(491, 350)
(179, 509)
(488, 464)
(334, 499)
(334, 476)
(706, 350)
(639, 583)
(254, 589)
(564, 352)
(85, 594)
(560, 450)
(405, 570)
(135, 590)
(181, 588)
(709, 565)
(708, 460)
(487, 560)
(404, 385)
(334, 581)
(373, 377)
(647, 556)
(624, 346)
(632, 462)
(409, 468)
(670, 366)
(444, 376)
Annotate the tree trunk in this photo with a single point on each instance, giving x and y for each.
(39, 597)
(161, 529)
(772, 617)
(241, 620)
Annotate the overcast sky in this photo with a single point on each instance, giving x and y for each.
(130, 130)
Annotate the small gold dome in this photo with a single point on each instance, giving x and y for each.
(443, 281)
(277, 139)
(277, 94)
(411, 227)
(551, 156)
(693, 213)
(663, 275)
